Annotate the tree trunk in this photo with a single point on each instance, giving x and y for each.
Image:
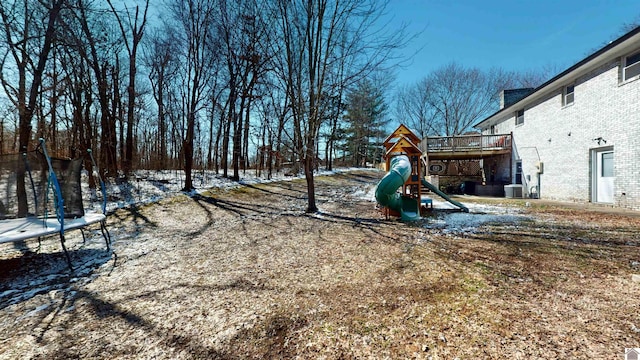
(26, 110)
(219, 135)
(188, 152)
(308, 174)
(237, 140)
(245, 144)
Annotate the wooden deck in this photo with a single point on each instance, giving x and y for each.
(465, 146)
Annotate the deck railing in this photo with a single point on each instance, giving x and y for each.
(466, 143)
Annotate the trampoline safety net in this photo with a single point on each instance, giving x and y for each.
(27, 189)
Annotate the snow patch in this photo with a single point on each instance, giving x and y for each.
(471, 222)
(150, 186)
(367, 193)
(37, 310)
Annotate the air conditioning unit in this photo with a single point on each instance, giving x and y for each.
(514, 191)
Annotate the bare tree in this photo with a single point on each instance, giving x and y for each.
(317, 36)
(26, 49)
(453, 98)
(243, 34)
(624, 28)
(631, 25)
(532, 78)
(195, 19)
(137, 31)
(276, 118)
(413, 108)
(161, 60)
(96, 48)
(26, 44)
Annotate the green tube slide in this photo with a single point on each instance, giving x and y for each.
(386, 195)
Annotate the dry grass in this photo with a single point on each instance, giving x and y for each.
(246, 274)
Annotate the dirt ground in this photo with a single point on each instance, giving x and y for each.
(245, 274)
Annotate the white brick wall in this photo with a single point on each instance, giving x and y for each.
(562, 137)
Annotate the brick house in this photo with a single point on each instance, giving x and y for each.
(577, 136)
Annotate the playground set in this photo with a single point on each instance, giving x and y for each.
(405, 173)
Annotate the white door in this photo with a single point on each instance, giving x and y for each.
(604, 177)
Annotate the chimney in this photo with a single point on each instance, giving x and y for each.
(512, 96)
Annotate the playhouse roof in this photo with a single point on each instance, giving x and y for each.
(403, 145)
(402, 130)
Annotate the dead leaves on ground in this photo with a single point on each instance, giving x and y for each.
(245, 273)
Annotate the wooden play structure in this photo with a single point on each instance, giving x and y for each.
(405, 172)
(403, 141)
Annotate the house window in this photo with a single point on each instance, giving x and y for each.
(631, 66)
(520, 117)
(567, 95)
(607, 164)
(492, 131)
(518, 172)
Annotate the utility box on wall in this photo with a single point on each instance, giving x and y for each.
(513, 191)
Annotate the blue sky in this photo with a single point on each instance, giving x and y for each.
(513, 35)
